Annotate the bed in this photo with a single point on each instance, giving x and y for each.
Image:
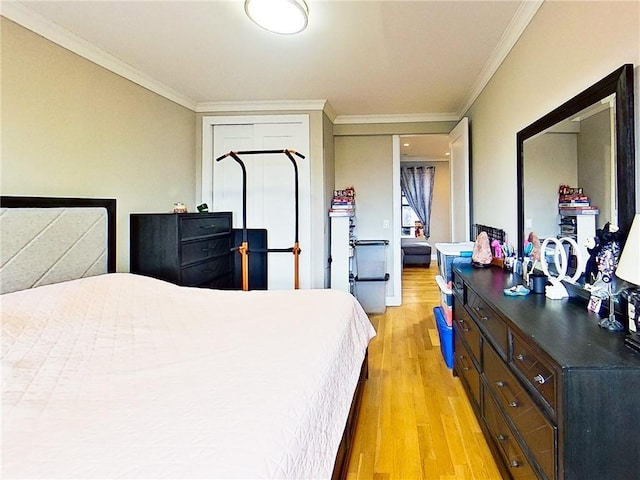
(415, 251)
(115, 375)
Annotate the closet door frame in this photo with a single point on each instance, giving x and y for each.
(299, 131)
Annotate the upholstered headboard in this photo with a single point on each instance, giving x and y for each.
(48, 240)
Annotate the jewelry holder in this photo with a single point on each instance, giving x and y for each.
(557, 290)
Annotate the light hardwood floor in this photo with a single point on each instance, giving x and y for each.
(415, 421)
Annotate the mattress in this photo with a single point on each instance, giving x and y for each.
(124, 376)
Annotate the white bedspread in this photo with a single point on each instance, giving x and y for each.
(123, 376)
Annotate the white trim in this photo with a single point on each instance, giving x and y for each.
(208, 122)
(262, 105)
(399, 118)
(518, 24)
(460, 133)
(396, 298)
(38, 24)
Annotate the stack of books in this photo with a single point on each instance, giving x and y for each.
(572, 201)
(343, 203)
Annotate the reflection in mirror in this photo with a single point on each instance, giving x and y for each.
(588, 144)
(576, 152)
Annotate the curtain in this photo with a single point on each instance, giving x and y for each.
(417, 186)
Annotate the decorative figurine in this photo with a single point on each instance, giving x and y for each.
(604, 254)
(481, 251)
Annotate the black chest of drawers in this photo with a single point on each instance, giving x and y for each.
(557, 397)
(189, 249)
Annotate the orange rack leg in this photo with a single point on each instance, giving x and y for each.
(243, 249)
(296, 266)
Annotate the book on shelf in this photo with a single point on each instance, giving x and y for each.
(343, 203)
(576, 203)
(343, 206)
(591, 210)
(342, 213)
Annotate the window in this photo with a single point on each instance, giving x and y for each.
(409, 219)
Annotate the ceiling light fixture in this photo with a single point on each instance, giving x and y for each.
(278, 16)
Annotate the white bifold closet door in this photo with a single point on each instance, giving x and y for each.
(270, 191)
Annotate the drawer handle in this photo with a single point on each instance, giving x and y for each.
(484, 319)
(514, 464)
(208, 226)
(520, 357)
(512, 403)
(464, 329)
(539, 379)
(501, 437)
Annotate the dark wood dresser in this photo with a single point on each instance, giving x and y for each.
(557, 397)
(190, 249)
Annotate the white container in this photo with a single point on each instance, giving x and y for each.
(371, 259)
(372, 294)
(448, 252)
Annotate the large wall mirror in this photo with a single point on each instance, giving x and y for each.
(586, 143)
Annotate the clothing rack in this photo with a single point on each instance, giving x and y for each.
(243, 248)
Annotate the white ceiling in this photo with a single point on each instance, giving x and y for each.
(382, 59)
(424, 148)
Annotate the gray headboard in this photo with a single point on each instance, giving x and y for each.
(47, 240)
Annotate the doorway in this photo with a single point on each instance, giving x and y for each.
(451, 209)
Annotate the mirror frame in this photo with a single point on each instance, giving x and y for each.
(619, 82)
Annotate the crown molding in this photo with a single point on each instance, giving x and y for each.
(38, 24)
(518, 24)
(264, 105)
(397, 118)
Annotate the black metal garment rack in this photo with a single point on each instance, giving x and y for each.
(243, 248)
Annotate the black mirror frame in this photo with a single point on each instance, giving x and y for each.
(619, 82)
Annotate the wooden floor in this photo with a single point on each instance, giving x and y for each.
(415, 421)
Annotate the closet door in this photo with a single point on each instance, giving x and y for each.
(270, 190)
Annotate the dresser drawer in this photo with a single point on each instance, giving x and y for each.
(192, 227)
(466, 369)
(202, 250)
(202, 274)
(509, 448)
(466, 327)
(536, 372)
(489, 320)
(458, 285)
(532, 425)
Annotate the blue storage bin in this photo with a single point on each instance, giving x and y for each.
(446, 336)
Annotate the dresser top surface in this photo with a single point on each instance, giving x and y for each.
(564, 329)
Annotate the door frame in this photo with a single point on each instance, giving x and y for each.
(460, 133)
(461, 129)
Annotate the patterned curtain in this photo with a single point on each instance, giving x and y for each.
(417, 186)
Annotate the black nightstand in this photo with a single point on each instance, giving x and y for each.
(189, 249)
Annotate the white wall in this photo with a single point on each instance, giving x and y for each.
(567, 47)
(71, 128)
(364, 162)
(552, 160)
